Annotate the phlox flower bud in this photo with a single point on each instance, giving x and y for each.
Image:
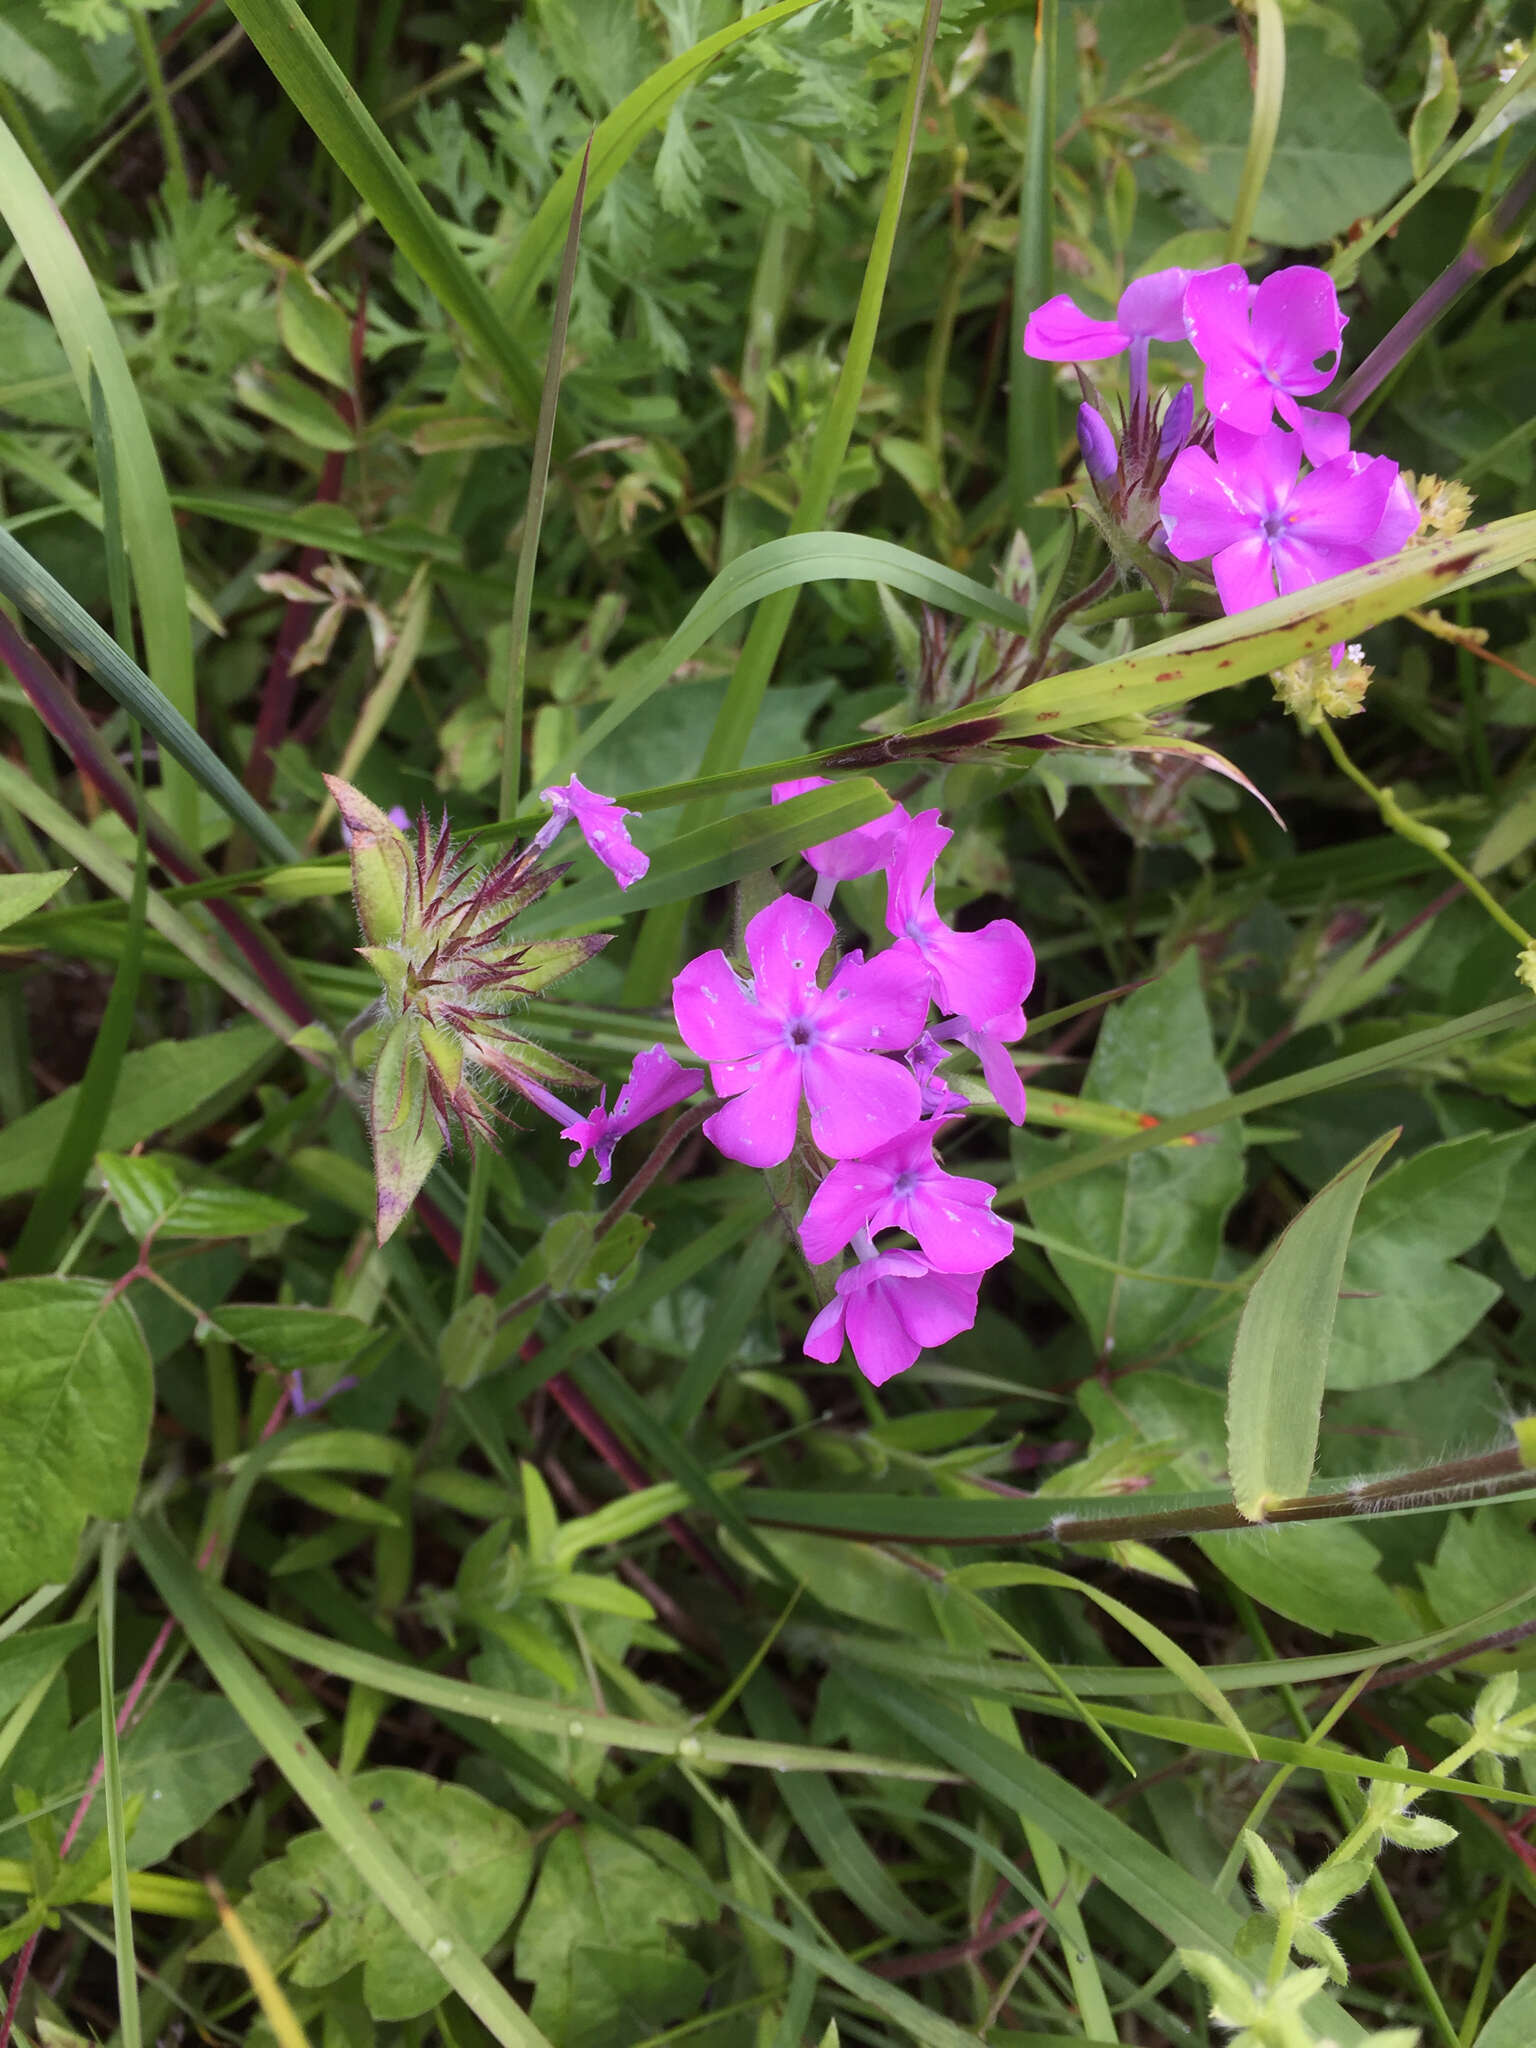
(1101, 457)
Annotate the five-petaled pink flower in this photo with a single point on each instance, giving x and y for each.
(901, 1186)
(1266, 346)
(1262, 525)
(601, 822)
(782, 1036)
(890, 1307)
(656, 1082)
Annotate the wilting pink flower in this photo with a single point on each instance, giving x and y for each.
(656, 1082)
(601, 823)
(1265, 347)
(891, 1307)
(980, 976)
(1262, 525)
(901, 1186)
(863, 851)
(1151, 309)
(781, 1036)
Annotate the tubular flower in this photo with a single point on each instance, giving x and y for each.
(983, 976)
(600, 822)
(656, 1082)
(439, 935)
(781, 1037)
(1151, 309)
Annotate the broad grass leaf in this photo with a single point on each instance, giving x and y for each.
(473, 1858)
(1280, 1358)
(20, 895)
(1161, 1211)
(75, 1397)
(1338, 153)
(156, 1087)
(1412, 1226)
(188, 1756)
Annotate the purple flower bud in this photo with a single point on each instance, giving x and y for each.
(1177, 421)
(1101, 458)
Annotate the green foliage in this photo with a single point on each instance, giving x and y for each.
(536, 1646)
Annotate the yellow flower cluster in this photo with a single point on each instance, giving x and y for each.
(1313, 689)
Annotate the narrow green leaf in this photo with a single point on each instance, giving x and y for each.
(90, 340)
(312, 79)
(1280, 1359)
(1032, 454)
(112, 1796)
(49, 605)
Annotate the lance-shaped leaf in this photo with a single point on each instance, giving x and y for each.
(406, 1139)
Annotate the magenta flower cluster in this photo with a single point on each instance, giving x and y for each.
(847, 1072)
(1263, 488)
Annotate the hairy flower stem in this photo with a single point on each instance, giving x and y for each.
(1494, 239)
(1433, 841)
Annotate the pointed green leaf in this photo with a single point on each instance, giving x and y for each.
(1280, 1359)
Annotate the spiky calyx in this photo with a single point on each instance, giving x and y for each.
(438, 932)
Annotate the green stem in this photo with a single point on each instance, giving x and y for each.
(1433, 841)
(176, 185)
(1268, 92)
(1031, 386)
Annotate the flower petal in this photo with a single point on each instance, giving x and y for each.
(952, 1220)
(1297, 326)
(1244, 574)
(841, 1207)
(758, 1126)
(824, 1339)
(601, 822)
(909, 871)
(785, 943)
(1058, 333)
(980, 975)
(1342, 502)
(1216, 325)
(716, 1016)
(882, 1344)
(937, 1307)
(1202, 511)
(1154, 306)
(858, 1100)
(1302, 563)
(877, 1005)
(998, 1070)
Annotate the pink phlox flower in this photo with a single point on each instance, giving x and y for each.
(863, 851)
(1151, 309)
(656, 1082)
(601, 823)
(977, 975)
(1265, 347)
(891, 1307)
(1262, 525)
(400, 819)
(901, 1186)
(782, 1036)
(939, 1099)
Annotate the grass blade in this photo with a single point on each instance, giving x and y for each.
(312, 79)
(1280, 1359)
(149, 526)
(1031, 385)
(112, 1794)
